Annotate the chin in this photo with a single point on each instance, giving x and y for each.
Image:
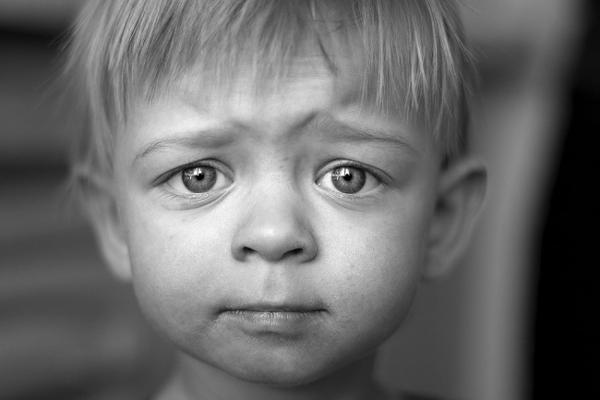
(287, 379)
(275, 370)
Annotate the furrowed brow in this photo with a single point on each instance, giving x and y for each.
(338, 131)
(203, 139)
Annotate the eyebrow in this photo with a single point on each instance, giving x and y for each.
(330, 129)
(206, 138)
(335, 130)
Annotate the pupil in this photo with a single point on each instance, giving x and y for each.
(199, 175)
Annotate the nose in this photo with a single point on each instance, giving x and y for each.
(275, 229)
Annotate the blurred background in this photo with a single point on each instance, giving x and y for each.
(514, 322)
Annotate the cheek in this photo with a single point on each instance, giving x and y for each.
(375, 268)
(173, 260)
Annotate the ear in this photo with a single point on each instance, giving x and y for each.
(106, 222)
(459, 199)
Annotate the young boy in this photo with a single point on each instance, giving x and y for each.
(275, 178)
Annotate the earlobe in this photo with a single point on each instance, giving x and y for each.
(460, 196)
(104, 215)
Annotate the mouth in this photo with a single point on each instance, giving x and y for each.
(280, 319)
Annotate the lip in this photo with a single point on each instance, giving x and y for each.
(280, 319)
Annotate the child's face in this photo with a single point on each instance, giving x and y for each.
(280, 237)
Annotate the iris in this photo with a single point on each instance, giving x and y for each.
(348, 179)
(199, 179)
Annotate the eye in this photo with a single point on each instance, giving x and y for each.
(348, 179)
(198, 179)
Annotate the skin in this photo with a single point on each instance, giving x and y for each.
(272, 283)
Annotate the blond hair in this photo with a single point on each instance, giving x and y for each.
(413, 53)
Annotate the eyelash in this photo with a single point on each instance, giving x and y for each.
(381, 177)
(164, 179)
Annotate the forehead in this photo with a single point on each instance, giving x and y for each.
(309, 98)
(309, 84)
(335, 69)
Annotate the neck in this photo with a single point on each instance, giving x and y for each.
(194, 380)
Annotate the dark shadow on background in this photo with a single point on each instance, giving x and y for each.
(564, 342)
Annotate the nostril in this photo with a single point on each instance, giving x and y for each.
(273, 242)
(247, 250)
(271, 253)
(294, 252)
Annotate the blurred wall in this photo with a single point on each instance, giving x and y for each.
(564, 337)
(67, 329)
